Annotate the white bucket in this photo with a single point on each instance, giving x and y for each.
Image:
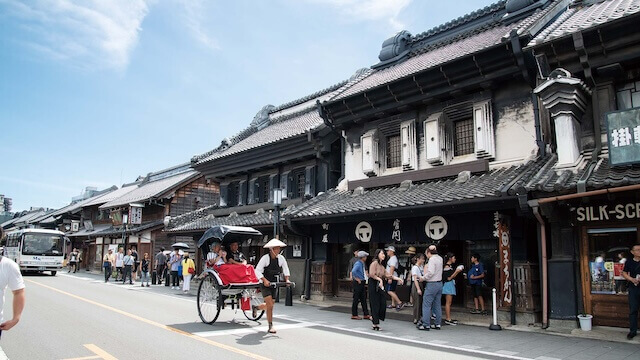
(585, 322)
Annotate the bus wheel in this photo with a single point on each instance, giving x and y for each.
(53, 273)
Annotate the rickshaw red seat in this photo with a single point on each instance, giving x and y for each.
(236, 273)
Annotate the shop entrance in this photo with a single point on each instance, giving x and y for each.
(460, 250)
(603, 254)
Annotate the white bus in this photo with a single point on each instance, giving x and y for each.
(36, 249)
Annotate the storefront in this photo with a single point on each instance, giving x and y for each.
(608, 229)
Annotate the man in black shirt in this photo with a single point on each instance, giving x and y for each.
(161, 262)
(631, 272)
(234, 256)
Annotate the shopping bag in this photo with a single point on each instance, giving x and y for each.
(245, 303)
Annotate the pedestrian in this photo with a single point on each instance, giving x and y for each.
(107, 264)
(128, 267)
(212, 255)
(161, 262)
(119, 263)
(475, 276)
(359, 287)
(174, 263)
(377, 294)
(449, 274)
(188, 270)
(136, 262)
(411, 251)
(417, 286)
(73, 260)
(268, 269)
(392, 267)
(144, 270)
(10, 277)
(631, 272)
(432, 298)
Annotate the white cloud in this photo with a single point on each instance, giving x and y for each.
(193, 15)
(371, 9)
(86, 33)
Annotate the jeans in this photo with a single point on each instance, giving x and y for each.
(107, 271)
(359, 296)
(432, 299)
(175, 280)
(634, 304)
(127, 272)
(144, 275)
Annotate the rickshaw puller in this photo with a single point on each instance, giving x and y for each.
(268, 269)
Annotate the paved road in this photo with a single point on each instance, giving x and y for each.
(73, 317)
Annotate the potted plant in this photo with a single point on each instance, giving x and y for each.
(585, 321)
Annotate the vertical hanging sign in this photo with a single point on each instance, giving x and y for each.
(503, 233)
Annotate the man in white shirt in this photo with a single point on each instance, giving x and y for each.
(268, 269)
(432, 298)
(392, 270)
(10, 276)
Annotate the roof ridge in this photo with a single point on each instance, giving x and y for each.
(286, 117)
(461, 20)
(309, 97)
(452, 39)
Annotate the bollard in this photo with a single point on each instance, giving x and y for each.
(154, 278)
(494, 324)
(288, 300)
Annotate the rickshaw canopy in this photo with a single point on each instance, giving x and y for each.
(227, 234)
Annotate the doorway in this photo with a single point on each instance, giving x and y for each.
(460, 250)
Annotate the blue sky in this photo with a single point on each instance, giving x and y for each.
(95, 93)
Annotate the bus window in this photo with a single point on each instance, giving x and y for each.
(42, 244)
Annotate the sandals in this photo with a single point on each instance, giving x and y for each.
(271, 329)
(375, 327)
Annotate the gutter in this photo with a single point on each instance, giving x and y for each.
(589, 193)
(543, 257)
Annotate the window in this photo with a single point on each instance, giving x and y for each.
(232, 194)
(300, 183)
(394, 151)
(463, 142)
(608, 251)
(628, 95)
(263, 189)
(297, 183)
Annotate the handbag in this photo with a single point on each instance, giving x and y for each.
(191, 270)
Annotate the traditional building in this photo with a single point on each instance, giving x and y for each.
(587, 198)
(436, 137)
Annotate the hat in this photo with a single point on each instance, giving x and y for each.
(411, 250)
(362, 254)
(273, 243)
(391, 247)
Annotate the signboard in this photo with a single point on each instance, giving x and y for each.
(364, 231)
(503, 234)
(135, 215)
(623, 133)
(608, 212)
(436, 228)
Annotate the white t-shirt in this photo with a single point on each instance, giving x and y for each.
(393, 261)
(119, 259)
(417, 271)
(9, 276)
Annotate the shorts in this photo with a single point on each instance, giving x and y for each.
(449, 288)
(392, 286)
(266, 291)
(476, 290)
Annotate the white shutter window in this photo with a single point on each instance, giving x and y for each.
(369, 146)
(409, 149)
(284, 185)
(434, 138)
(484, 135)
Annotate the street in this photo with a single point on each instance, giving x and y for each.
(81, 317)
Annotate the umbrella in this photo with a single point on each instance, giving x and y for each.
(180, 245)
(228, 234)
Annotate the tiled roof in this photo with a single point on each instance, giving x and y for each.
(310, 96)
(27, 217)
(438, 53)
(281, 128)
(584, 15)
(448, 191)
(149, 190)
(562, 181)
(98, 200)
(96, 229)
(132, 229)
(204, 223)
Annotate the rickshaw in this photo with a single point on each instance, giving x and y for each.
(213, 293)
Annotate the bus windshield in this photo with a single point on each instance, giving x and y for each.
(42, 244)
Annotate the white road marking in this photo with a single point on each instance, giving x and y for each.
(546, 358)
(471, 347)
(3, 356)
(440, 342)
(255, 329)
(506, 352)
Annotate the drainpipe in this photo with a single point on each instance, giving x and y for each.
(582, 182)
(542, 149)
(543, 255)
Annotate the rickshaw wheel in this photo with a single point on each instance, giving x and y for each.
(252, 293)
(209, 300)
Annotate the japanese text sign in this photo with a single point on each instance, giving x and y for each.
(623, 132)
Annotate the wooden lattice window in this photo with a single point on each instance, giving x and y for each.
(463, 143)
(394, 151)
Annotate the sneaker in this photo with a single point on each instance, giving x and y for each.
(484, 312)
(451, 322)
(147, 285)
(475, 311)
(254, 312)
(435, 327)
(423, 328)
(356, 317)
(631, 335)
(389, 306)
(433, 317)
